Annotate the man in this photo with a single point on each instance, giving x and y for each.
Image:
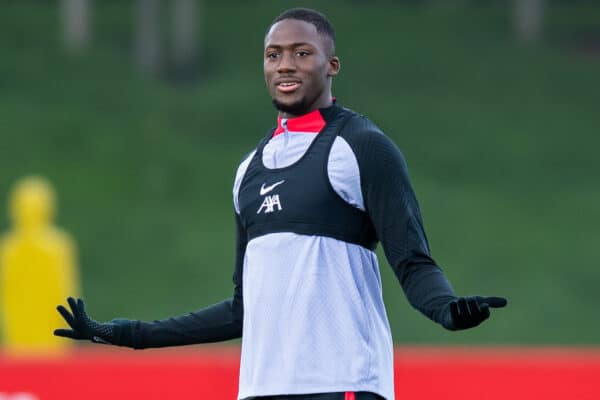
(311, 203)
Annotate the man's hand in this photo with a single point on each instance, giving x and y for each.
(82, 326)
(468, 312)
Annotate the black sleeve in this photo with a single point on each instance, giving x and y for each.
(393, 209)
(219, 322)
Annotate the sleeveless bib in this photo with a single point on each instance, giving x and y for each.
(299, 198)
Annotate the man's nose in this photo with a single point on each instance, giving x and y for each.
(287, 63)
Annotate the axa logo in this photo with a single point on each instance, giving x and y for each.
(270, 203)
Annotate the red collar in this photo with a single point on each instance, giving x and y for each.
(312, 122)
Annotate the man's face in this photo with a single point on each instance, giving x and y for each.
(298, 67)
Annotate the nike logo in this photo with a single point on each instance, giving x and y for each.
(264, 190)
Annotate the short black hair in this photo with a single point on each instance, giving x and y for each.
(311, 16)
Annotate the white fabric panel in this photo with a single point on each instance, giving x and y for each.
(239, 176)
(315, 322)
(344, 174)
(286, 148)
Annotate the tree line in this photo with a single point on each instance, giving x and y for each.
(150, 55)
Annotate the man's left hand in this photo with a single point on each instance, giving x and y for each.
(468, 312)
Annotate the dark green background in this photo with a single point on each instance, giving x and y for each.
(501, 141)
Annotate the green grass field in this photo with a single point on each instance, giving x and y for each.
(501, 142)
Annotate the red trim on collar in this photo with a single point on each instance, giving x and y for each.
(312, 122)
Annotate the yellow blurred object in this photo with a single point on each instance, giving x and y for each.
(37, 271)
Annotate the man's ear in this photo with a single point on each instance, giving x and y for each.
(334, 66)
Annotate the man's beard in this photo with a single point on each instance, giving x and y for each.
(298, 108)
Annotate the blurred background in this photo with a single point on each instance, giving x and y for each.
(138, 113)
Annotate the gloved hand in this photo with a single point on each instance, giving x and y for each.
(468, 312)
(82, 326)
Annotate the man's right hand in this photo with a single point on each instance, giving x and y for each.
(82, 326)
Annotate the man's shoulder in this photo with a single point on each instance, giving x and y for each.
(370, 145)
(361, 130)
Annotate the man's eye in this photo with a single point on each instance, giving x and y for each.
(272, 56)
(302, 53)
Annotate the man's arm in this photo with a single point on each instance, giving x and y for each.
(393, 209)
(219, 322)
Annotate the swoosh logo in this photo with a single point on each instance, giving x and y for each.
(264, 190)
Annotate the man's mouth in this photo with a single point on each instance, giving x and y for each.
(288, 87)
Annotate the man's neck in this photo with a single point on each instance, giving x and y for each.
(317, 105)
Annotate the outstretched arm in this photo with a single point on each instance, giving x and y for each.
(219, 322)
(392, 206)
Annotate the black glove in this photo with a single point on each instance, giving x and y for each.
(85, 328)
(468, 312)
